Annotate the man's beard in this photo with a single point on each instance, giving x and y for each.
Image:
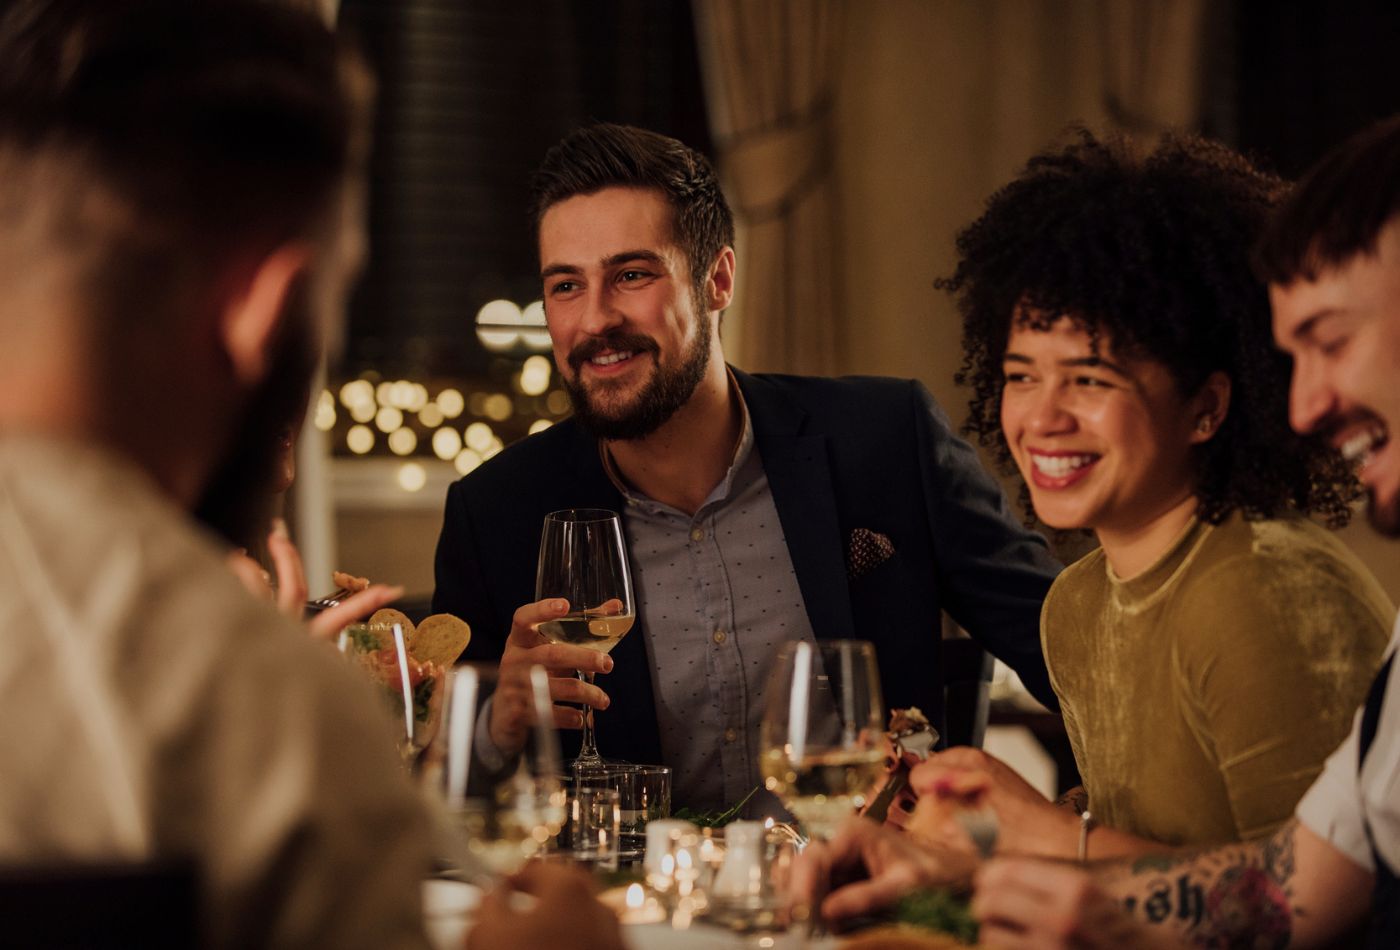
(665, 392)
(239, 498)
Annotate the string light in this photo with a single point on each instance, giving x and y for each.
(539, 425)
(502, 314)
(498, 407)
(466, 461)
(356, 392)
(533, 316)
(451, 403)
(534, 376)
(360, 439)
(479, 436)
(325, 411)
(446, 444)
(388, 419)
(403, 441)
(431, 416)
(412, 476)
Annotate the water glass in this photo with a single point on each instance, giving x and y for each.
(595, 818)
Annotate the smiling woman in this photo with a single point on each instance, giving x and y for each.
(1209, 655)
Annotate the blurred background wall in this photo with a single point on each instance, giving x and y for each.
(855, 136)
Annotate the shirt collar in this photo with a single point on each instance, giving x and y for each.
(742, 450)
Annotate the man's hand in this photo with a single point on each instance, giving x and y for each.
(866, 867)
(1027, 822)
(511, 711)
(1045, 905)
(565, 914)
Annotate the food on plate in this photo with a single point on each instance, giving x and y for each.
(432, 647)
(900, 938)
(439, 639)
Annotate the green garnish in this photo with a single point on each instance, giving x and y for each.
(713, 819)
(422, 695)
(940, 911)
(361, 638)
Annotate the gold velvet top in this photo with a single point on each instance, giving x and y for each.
(1202, 696)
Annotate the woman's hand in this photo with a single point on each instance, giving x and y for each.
(290, 592)
(964, 778)
(867, 867)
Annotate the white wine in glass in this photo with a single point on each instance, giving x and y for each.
(498, 823)
(822, 736)
(583, 559)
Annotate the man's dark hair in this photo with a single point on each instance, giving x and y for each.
(1150, 252)
(171, 137)
(602, 156)
(1338, 210)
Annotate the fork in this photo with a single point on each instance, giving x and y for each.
(332, 599)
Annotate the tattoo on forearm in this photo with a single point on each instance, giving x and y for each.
(1076, 798)
(1236, 896)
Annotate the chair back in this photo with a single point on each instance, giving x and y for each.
(111, 907)
(967, 679)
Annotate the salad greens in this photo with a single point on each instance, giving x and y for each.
(941, 911)
(714, 819)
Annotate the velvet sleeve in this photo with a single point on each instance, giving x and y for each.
(1272, 658)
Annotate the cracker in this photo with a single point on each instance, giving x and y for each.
(440, 639)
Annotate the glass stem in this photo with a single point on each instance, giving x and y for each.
(588, 752)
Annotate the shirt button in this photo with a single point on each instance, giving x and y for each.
(698, 534)
(730, 735)
(720, 636)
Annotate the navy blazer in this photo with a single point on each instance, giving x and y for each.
(840, 454)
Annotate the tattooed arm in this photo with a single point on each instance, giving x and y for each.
(1290, 890)
(1076, 800)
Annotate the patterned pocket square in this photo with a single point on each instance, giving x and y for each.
(867, 551)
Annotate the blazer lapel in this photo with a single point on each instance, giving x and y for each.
(798, 467)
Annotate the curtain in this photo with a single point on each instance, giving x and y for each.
(769, 70)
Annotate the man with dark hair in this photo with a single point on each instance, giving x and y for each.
(1332, 260)
(758, 508)
(178, 224)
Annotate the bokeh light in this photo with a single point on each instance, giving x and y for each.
(325, 411)
(412, 476)
(499, 312)
(360, 439)
(479, 436)
(451, 403)
(534, 376)
(431, 416)
(403, 441)
(356, 392)
(388, 419)
(498, 407)
(446, 444)
(466, 461)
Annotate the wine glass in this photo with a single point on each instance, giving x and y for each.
(583, 560)
(498, 821)
(822, 734)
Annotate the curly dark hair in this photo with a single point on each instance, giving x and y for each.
(1151, 252)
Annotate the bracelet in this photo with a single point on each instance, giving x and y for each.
(1086, 824)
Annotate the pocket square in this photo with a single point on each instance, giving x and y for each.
(867, 551)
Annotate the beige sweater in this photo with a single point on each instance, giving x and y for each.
(150, 708)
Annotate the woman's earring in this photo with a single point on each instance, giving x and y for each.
(1204, 425)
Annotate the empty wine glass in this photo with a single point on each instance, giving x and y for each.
(583, 560)
(822, 734)
(498, 819)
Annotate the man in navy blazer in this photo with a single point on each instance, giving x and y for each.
(868, 514)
